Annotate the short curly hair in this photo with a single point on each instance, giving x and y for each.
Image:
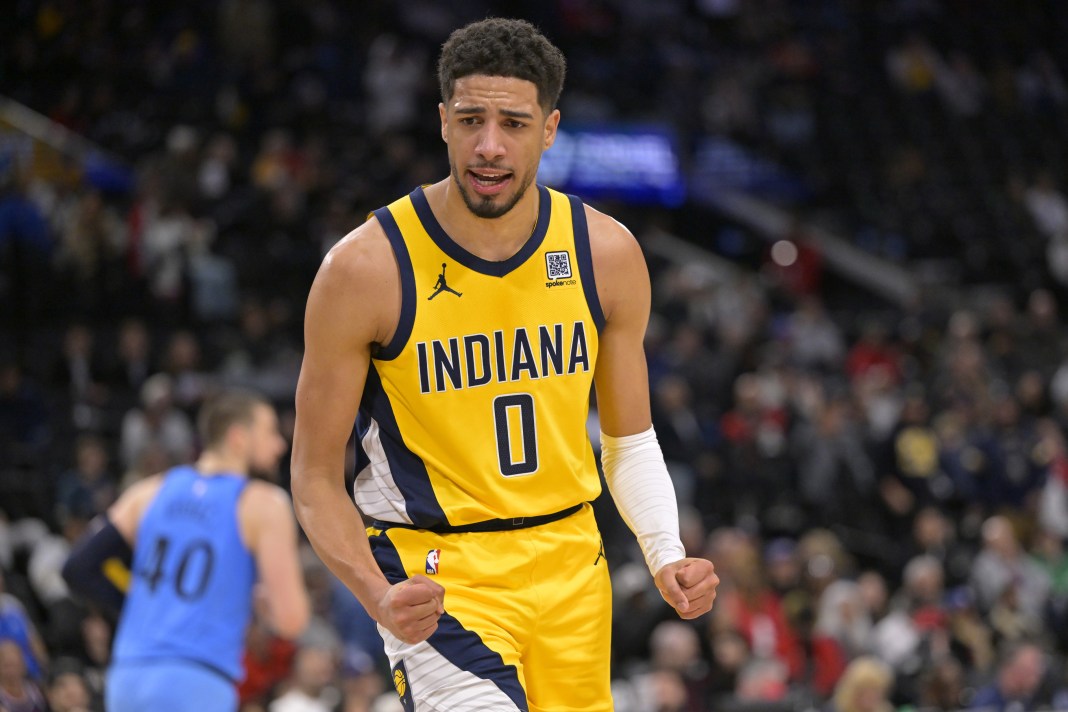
(500, 47)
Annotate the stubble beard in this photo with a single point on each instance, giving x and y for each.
(267, 471)
(485, 207)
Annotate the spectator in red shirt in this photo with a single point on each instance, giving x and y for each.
(874, 350)
(755, 611)
(268, 662)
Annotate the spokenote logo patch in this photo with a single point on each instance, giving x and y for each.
(433, 558)
(558, 269)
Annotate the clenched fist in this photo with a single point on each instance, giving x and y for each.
(689, 586)
(410, 609)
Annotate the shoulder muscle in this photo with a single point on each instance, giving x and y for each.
(126, 513)
(263, 505)
(619, 266)
(356, 293)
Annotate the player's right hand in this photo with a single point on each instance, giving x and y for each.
(410, 609)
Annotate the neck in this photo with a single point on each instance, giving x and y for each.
(213, 462)
(493, 239)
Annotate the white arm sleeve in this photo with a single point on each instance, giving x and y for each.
(644, 495)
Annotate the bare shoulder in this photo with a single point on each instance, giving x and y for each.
(266, 498)
(358, 284)
(610, 240)
(127, 511)
(264, 509)
(618, 264)
(365, 253)
(142, 492)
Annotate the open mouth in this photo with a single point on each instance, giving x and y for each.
(488, 182)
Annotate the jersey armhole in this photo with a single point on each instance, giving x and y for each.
(390, 351)
(239, 523)
(585, 260)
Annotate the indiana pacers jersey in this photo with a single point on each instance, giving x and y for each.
(476, 409)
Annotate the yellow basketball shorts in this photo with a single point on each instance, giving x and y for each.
(527, 623)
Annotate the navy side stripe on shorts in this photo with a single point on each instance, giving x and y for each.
(460, 646)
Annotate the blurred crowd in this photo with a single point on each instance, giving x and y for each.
(883, 488)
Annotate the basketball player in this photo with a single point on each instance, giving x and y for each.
(202, 536)
(471, 383)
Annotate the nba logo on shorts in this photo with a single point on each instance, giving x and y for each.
(432, 558)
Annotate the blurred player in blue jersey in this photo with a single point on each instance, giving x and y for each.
(205, 540)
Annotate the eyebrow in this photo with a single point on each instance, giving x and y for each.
(511, 113)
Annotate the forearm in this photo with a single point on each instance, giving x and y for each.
(336, 532)
(644, 495)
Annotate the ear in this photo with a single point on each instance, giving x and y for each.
(551, 125)
(444, 122)
(237, 437)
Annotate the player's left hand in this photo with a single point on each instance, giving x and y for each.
(689, 586)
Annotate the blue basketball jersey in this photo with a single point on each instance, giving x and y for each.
(190, 596)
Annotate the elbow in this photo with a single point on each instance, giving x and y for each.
(298, 489)
(300, 507)
(305, 488)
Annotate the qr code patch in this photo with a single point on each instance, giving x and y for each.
(558, 265)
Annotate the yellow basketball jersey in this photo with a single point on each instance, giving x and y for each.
(477, 407)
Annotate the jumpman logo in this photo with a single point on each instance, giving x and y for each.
(600, 554)
(441, 286)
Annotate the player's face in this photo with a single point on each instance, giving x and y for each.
(496, 132)
(266, 444)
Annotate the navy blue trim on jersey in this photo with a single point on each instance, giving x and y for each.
(362, 458)
(409, 472)
(585, 260)
(387, 557)
(460, 646)
(407, 278)
(473, 262)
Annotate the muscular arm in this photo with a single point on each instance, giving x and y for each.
(271, 535)
(354, 303)
(621, 377)
(633, 463)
